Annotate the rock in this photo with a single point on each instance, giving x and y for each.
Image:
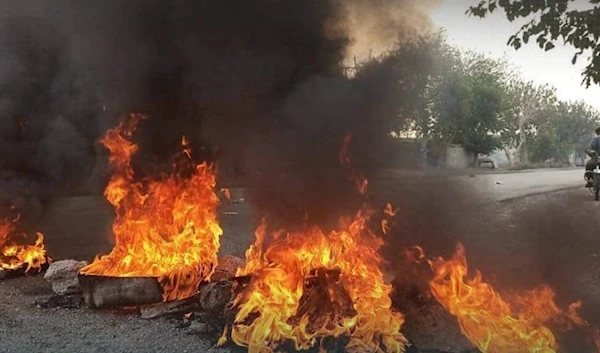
(66, 286)
(227, 267)
(170, 308)
(64, 269)
(63, 276)
(215, 296)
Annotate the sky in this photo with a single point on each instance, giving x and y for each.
(490, 36)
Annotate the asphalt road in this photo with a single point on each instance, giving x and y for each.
(519, 243)
(79, 227)
(486, 187)
(504, 186)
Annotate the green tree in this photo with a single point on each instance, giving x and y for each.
(545, 146)
(468, 103)
(550, 20)
(564, 130)
(575, 127)
(416, 69)
(440, 94)
(485, 78)
(451, 108)
(524, 103)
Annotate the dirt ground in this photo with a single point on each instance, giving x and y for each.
(548, 238)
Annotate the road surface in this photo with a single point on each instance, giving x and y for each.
(487, 187)
(518, 245)
(499, 187)
(80, 226)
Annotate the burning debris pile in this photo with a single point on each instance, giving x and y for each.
(307, 285)
(495, 325)
(166, 228)
(280, 111)
(17, 258)
(301, 287)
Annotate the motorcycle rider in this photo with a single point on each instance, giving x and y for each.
(592, 150)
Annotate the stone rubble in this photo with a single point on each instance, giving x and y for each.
(63, 276)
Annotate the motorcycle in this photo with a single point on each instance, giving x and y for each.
(594, 176)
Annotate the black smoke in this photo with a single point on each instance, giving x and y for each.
(48, 117)
(259, 85)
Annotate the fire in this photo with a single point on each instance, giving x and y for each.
(14, 256)
(165, 228)
(490, 322)
(307, 285)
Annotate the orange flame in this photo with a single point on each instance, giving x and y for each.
(14, 256)
(307, 285)
(164, 228)
(491, 323)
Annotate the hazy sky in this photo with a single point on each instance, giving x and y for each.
(490, 36)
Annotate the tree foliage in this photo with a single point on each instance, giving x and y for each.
(416, 67)
(524, 104)
(550, 20)
(467, 104)
(564, 130)
(444, 96)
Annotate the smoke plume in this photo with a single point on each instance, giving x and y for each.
(255, 84)
(374, 27)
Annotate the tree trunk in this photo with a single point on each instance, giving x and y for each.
(508, 157)
(520, 152)
(523, 156)
(475, 157)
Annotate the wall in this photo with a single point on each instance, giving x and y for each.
(457, 157)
